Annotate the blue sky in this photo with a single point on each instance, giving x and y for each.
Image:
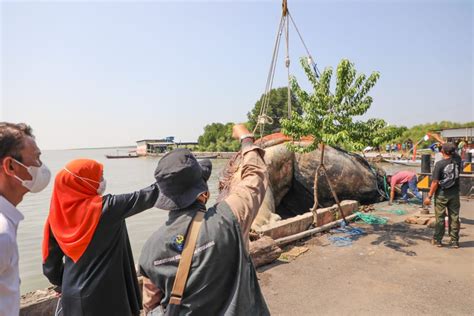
(88, 74)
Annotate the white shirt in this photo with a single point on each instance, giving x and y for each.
(10, 217)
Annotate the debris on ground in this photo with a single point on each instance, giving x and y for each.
(293, 253)
(428, 220)
(367, 208)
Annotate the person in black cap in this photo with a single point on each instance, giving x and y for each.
(445, 189)
(222, 279)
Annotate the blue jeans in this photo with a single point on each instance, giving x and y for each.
(413, 188)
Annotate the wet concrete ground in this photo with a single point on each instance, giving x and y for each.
(391, 270)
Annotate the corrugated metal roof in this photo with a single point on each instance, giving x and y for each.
(458, 132)
(161, 144)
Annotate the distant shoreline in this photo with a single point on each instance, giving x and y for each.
(89, 148)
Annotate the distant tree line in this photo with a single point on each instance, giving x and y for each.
(374, 132)
(415, 133)
(218, 137)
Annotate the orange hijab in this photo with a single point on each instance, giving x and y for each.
(75, 208)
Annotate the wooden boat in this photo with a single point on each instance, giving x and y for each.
(129, 154)
(404, 162)
(121, 156)
(205, 156)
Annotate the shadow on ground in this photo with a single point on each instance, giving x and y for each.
(399, 236)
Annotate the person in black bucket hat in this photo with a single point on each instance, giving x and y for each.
(222, 279)
(181, 179)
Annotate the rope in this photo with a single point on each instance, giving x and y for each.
(270, 77)
(372, 219)
(386, 186)
(310, 58)
(349, 230)
(340, 241)
(284, 25)
(343, 241)
(287, 64)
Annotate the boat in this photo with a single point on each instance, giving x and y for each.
(121, 156)
(205, 156)
(130, 154)
(404, 162)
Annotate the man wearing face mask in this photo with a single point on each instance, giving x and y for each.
(21, 172)
(86, 248)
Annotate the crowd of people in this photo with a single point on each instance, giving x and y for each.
(399, 147)
(197, 262)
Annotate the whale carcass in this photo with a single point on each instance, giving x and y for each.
(291, 179)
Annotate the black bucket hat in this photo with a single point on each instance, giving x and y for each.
(181, 179)
(448, 148)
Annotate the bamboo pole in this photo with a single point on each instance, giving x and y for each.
(288, 239)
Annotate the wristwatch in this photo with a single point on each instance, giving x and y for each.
(246, 136)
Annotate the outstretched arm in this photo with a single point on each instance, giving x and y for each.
(437, 137)
(122, 206)
(392, 194)
(246, 197)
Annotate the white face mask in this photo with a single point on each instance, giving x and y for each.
(102, 184)
(40, 177)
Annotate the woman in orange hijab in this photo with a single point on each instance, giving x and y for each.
(86, 249)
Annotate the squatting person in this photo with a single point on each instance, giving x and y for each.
(407, 180)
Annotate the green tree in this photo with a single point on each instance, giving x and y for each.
(277, 109)
(376, 133)
(329, 117)
(218, 137)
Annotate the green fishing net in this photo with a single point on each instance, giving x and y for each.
(371, 219)
(397, 212)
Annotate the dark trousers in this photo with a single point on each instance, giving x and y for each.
(451, 202)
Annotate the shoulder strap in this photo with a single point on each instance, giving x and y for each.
(186, 259)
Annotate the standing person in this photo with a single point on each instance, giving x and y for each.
(21, 172)
(445, 189)
(462, 148)
(222, 279)
(408, 180)
(86, 249)
(455, 156)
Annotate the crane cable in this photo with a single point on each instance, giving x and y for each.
(263, 118)
(284, 26)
